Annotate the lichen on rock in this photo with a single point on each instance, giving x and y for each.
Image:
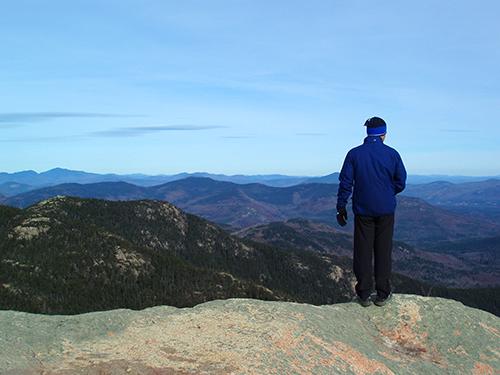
(411, 335)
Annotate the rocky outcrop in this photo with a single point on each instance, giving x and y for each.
(412, 335)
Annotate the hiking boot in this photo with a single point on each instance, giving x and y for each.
(382, 301)
(363, 302)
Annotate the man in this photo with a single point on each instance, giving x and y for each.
(377, 173)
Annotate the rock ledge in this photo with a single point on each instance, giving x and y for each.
(423, 335)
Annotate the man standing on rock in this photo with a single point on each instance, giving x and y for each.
(377, 173)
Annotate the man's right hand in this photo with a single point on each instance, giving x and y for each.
(342, 216)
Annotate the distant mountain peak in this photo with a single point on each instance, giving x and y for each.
(59, 169)
(61, 172)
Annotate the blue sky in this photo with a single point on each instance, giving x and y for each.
(247, 86)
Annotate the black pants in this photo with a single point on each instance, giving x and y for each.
(373, 235)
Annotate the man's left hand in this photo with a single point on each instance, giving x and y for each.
(342, 216)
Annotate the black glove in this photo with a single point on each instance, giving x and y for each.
(342, 216)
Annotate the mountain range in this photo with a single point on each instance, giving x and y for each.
(468, 194)
(18, 182)
(242, 205)
(455, 264)
(475, 198)
(32, 180)
(11, 188)
(71, 255)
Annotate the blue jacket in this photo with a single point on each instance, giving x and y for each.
(377, 173)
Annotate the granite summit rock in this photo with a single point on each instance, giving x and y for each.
(412, 335)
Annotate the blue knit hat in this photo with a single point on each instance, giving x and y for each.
(375, 126)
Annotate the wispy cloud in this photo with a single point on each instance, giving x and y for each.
(237, 136)
(310, 134)
(56, 138)
(459, 130)
(142, 130)
(118, 132)
(27, 117)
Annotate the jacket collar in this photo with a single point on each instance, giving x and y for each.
(373, 139)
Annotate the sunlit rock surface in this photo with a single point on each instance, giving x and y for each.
(412, 335)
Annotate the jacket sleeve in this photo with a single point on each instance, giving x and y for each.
(399, 175)
(346, 179)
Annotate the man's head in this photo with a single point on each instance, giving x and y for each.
(375, 126)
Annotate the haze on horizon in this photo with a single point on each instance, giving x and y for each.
(247, 87)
